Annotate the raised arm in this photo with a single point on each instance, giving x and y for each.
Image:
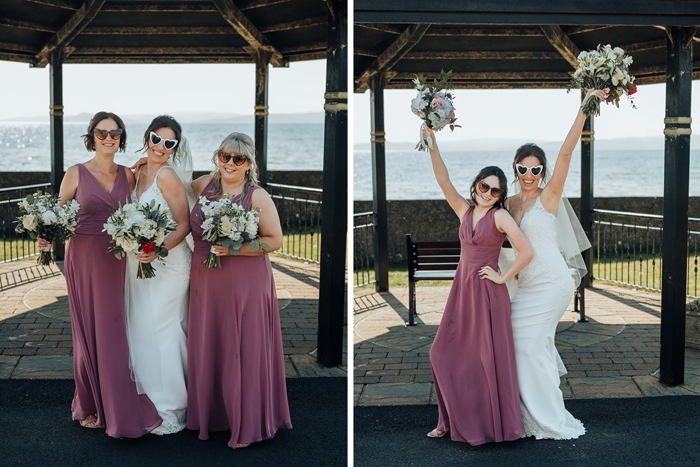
(505, 223)
(455, 200)
(555, 187)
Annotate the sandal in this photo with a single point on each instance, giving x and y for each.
(242, 445)
(436, 433)
(89, 422)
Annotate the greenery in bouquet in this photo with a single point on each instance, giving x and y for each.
(433, 105)
(42, 217)
(604, 68)
(230, 225)
(140, 228)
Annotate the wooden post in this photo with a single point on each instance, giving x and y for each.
(334, 218)
(679, 75)
(587, 138)
(56, 58)
(262, 62)
(381, 230)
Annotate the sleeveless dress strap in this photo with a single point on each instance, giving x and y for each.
(247, 200)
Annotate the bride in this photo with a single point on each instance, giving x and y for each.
(157, 308)
(545, 285)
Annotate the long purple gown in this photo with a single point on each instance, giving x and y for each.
(234, 350)
(95, 281)
(473, 357)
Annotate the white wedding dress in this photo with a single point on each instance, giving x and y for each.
(156, 319)
(545, 288)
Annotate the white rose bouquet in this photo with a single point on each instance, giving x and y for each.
(41, 216)
(140, 228)
(603, 68)
(433, 105)
(227, 223)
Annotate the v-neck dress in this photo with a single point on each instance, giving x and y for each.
(236, 378)
(95, 282)
(473, 357)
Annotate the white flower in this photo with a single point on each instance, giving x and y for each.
(49, 218)
(30, 222)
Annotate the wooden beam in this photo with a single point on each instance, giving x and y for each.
(235, 17)
(320, 55)
(390, 28)
(170, 7)
(299, 24)
(581, 29)
(157, 30)
(318, 46)
(72, 28)
(64, 4)
(155, 51)
(555, 35)
(398, 48)
(484, 32)
(18, 47)
(490, 84)
(482, 55)
(10, 57)
(156, 59)
(650, 45)
(250, 4)
(14, 23)
(496, 75)
(364, 52)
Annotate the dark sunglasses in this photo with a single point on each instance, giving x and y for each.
(167, 143)
(102, 134)
(484, 188)
(522, 169)
(238, 159)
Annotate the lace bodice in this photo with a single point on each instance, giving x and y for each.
(179, 257)
(540, 228)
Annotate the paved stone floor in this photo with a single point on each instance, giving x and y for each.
(614, 354)
(35, 329)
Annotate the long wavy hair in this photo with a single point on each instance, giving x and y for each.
(164, 121)
(236, 144)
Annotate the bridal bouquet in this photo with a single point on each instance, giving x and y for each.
(603, 68)
(140, 228)
(41, 216)
(433, 105)
(227, 223)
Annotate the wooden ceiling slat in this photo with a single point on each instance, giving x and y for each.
(160, 50)
(390, 28)
(72, 28)
(126, 30)
(243, 26)
(484, 32)
(302, 23)
(482, 55)
(250, 4)
(160, 59)
(19, 24)
(16, 57)
(555, 35)
(58, 4)
(304, 48)
(398, 48)
(19, 47)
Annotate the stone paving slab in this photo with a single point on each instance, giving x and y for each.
(614, 354)
(35, 330)
(396, 394)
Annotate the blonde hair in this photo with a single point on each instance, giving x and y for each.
(235, 144)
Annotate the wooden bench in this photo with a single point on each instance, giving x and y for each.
(429, 261)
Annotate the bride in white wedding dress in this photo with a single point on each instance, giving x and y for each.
(157, 308)
(545, 285)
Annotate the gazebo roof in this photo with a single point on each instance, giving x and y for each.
(508, 44)
(157, 31)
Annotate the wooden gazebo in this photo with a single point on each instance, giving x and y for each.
(527, 44)
(264, 32)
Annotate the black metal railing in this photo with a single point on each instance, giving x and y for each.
(15, 246)
(299, 209)
(363, 248)
(627, 250)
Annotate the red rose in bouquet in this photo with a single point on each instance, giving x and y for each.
(148, 248)
(632, 90)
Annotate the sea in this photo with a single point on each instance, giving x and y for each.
(409, 174)
(291, 146)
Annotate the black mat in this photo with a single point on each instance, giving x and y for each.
(36, 430)
(658, 431)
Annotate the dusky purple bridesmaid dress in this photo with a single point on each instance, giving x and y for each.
(473, 357)
(95, 281)
(236, 378)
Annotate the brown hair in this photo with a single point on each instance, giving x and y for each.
(236, 144)
(164, 121)
(88, 138)
(487, 172)
(526, 150)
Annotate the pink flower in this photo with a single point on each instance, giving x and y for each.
(438, 101)
(57, 209)
(208, 224)
(451, 115)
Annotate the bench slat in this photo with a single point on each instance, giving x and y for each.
(436, 267)
(436, 259)
(434, 275)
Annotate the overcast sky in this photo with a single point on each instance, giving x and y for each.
(542, 115)
(156, 89)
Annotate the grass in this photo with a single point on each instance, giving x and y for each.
(304, 245)
(398, 278)
(14, 248)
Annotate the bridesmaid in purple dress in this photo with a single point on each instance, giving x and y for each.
(105, 396)
(234, 350)
(472, 357)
